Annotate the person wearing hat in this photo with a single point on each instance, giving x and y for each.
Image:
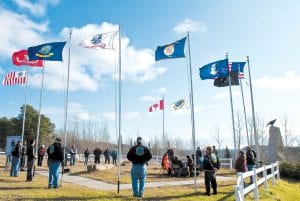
(55, 158)
(139, 155)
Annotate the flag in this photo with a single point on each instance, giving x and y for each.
(224, 82)
(237, 67)
(100, 41)
(15, 78)
(47, 51)
(236, 72)
(21, 58)
(157, 106)
(171, 51)
(214, 70)
(180, 104)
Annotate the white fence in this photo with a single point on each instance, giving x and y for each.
(241, 190)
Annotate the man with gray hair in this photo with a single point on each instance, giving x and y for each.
(139, 155)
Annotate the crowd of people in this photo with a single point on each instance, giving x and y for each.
(207, 160)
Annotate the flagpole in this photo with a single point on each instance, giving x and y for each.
(245, 114)
(163, 121)
(119, 129)
(253, 111)
(192, 110)
(39, 118)
(66, 107)
(231, 104)
(24, 108)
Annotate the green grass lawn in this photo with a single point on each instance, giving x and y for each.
(16, 188)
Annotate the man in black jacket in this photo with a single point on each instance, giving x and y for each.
(250, 158)
(211, 164)
(55, 158)
(97, 154)
(15, 161)
(30, 160)
(139, 155)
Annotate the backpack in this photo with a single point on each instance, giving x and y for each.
(50, 150)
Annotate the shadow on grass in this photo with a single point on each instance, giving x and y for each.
(21, 188)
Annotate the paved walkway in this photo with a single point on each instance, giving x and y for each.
(100, 185)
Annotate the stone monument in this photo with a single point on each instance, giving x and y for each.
(275, 146)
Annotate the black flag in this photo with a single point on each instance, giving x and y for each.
(224, 82)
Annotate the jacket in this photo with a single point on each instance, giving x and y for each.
(30, 152)
(210, 162)
(17, 151)
(139, 154)
(55, 152)
(240, 164)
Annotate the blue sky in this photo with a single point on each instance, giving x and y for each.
(266, 31)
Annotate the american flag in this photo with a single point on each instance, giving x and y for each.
(241, 74)
(12, 78)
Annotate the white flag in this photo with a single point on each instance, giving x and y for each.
(100, 41)
(180, 104)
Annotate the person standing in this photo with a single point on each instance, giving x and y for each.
(97, 153)
(106, 154)
(86, 156)
(139, 155)
(250, 158)
(55, 158)
(214, 151)
(15, 161)
(240, 163)
(30, 160)
(41, 154)
(211, 165)
(73, 152)
(23, 156)
(114, 155)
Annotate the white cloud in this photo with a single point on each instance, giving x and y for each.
(189, 25)
(131, 115)
(162, 90)
(12, 26)
(38, 8)
(126, 115)
(148, 98)
(89, 68)
(225, 94)
(290, 81)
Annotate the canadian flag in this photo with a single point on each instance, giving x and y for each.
(157, 106)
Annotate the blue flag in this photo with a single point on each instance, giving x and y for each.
(214, 70)
(47, 51)
(238, 67)
(171, 51)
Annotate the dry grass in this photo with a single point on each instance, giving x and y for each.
(15, 188)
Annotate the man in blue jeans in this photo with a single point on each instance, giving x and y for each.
(15, 161)
(55, 158)
(139, 155)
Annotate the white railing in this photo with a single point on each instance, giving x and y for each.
(241, 190)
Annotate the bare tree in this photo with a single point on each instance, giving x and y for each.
(218, 138)
(238, 128)
(288, 138)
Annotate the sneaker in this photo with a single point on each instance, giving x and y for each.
(208, 194)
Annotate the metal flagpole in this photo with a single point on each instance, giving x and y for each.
(245, 114)
(24, 108)
(39, 118)
(119, 141)
(163, 121)
(231, 104)
(253, 111)
(192, 110)
(66, 108)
